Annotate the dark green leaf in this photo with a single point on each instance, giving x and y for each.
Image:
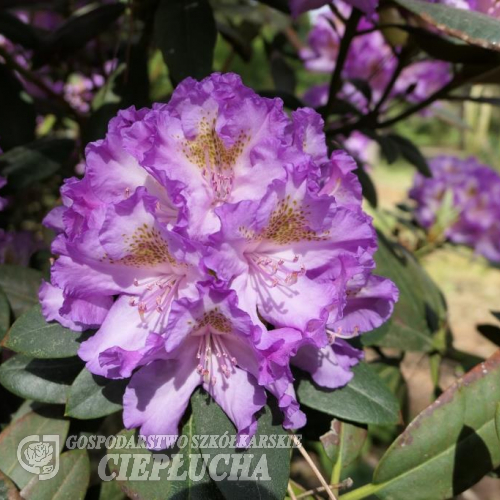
(71, 482)
(11, 437)
(210, 419)
(32, 336)
(44, 380)
(32, 163)
(411, 154)
(369, 191)
(491, 332)
(163, 488)
(185, 32)
(388, 146)
(366, 399)
(76, 32)
(240, 44)
(473, 27)
(20, 285)
(92, 396)
(449, 49)
(18, 32)
(344, 442)
(18, 122)
(450, 445)
(4, 314)
(420, 310)
(282, 73)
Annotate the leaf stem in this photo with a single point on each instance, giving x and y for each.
(362, 492)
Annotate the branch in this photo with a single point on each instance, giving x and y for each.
(345, 42)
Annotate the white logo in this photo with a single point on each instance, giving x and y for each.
(39, 455)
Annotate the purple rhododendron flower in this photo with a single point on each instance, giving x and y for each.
(370, 59)
(471, 192)
(198, 224)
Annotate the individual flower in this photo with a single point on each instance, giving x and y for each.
(213, 242)
(465, 195)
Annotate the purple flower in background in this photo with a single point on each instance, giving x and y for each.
(421, 79)
(197, 225)
(300, 6)
(463, 195)
(17, 247)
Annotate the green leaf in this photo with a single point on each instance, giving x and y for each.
(4, 314)
(343, 442)
(449, 49)
(18, 115)
(71, 482)
(76, 32)
(33, 336)
(411, 154)
(369, 191)
(210, 419)
(11, 437)
(31, 163)
(91, 396)
(491, 332)
(497, 421)
(450, 445)
(45, 380)
(21, 285)
(473, 27)
(420, 310)
(163, 488)
(366, 399)
(185, 32)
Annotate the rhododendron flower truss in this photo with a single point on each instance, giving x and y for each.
(461, 200)
(198, 225)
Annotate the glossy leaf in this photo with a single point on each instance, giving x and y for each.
(34, 162)
(450, 445)
(18, 122)
(92, 396)
(210, 419)
(185, 32)
(33, 336)
(491, 332)
(20, 285)
(44, 380)
(343, 442)
(76, 32)
(71, 482)
(366, 399)
(10, 438)
(18, 31)
(411, 154)
(420, 311)
(4, 314)
(473, 27)
(164, 462)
